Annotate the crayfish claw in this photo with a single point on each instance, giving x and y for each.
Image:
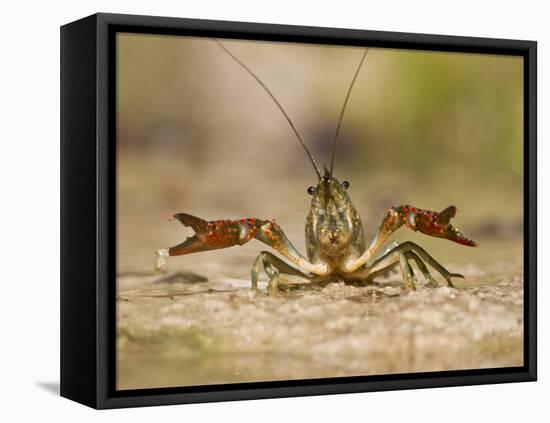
(200, 226)
(433, 223)
(455, 235)
(444, 217)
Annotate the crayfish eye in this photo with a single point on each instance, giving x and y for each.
(311, 190)
(345, 184)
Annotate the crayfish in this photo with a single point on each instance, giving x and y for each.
(335, 242)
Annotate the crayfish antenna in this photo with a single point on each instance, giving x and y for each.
(277, 103)
(344, 109)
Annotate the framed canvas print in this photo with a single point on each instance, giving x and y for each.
(256, 211)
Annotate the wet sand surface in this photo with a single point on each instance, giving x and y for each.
(198, 323)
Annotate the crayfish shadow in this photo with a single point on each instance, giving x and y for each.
(369, 286)
(181, 277)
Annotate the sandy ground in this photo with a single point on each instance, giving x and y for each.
(199, 323)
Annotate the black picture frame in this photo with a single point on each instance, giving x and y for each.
(88, 217)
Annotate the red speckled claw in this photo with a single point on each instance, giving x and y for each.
(199, 225)
(434, 223)
(444, 217)
(211, 235)
(216, 234)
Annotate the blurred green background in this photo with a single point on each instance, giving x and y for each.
(197, 134)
